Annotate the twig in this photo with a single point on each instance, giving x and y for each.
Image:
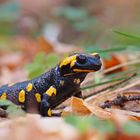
(111, 86)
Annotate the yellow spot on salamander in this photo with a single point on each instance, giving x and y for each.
(77, 81)
(21, 96)
(29, 87)
(10, 85)
(67, 60)
(49, 112)
(72, 63)
(51, 91)
(38, 97)
(3, 96)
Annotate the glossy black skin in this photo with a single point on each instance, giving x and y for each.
(68, 89)
(51, 78)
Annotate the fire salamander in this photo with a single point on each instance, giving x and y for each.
(53, 87)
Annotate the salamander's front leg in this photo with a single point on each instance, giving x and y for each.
(45, 109)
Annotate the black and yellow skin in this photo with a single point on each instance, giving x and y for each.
(53, 87)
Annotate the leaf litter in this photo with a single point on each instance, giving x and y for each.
(116, 119)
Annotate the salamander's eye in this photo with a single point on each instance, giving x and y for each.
(81, 59)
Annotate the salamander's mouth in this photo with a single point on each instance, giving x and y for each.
(96, 68)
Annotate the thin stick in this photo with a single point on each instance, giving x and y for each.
(121, 65)
(111, 86)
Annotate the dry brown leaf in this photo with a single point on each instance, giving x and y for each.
(84, 108)
(79, 106)
(116, 59)
(99, 112)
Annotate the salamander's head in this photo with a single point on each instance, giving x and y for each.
(81, 63)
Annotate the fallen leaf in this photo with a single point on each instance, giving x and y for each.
(79, 106)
